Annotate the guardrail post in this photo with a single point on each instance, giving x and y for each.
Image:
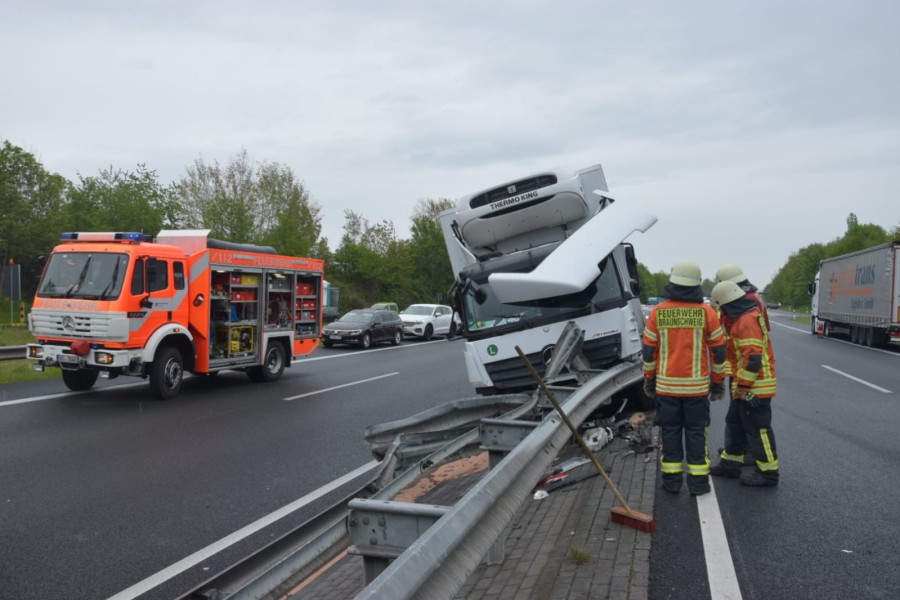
(381, 530)
(499, 437)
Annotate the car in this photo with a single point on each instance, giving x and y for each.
(425, 320)
(364, 327)
(385, 306)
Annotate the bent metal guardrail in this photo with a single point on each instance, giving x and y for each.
(439, 562)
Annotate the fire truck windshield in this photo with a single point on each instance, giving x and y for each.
(89, 275)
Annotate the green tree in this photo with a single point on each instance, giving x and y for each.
(31, 215)
(118, 200)
(432, 275)
(263, 203)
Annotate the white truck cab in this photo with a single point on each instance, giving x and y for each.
(531, 255)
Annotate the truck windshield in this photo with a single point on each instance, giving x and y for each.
(485, 315)
(88, 275)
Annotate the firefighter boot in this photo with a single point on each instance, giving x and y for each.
(726, 468)
(760, 479)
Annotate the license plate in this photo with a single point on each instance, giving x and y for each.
(68, 359)
(334, 337)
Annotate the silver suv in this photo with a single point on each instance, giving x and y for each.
(426, 320)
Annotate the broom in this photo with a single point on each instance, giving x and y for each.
(619, 514)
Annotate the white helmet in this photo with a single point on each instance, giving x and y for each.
(725, 292)
(730, 272)
(685, 273)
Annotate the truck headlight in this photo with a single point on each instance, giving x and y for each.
(35, 352)
(103, 358)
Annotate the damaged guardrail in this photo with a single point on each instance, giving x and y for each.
(439, 562)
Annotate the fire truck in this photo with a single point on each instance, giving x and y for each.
(111, 304)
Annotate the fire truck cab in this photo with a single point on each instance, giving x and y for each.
(111, 304)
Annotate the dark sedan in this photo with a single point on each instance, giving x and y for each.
(364, 328)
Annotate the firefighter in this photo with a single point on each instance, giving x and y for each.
(680, 336)
(732, 272)
(748, 423)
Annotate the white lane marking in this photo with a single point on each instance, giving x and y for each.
(858, 380)
(184, 564)
(789, 327)
(723, 581)
(358, 352)
(67, 394)
(882, 350)
(337, 387)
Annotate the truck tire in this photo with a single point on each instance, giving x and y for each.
(812, 326)
(166, 373)
(273, 364)
(80, 380)
(869, 335)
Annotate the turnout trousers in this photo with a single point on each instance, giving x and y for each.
(683, 421)
(750, 429)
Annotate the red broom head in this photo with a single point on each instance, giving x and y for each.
(632, 518)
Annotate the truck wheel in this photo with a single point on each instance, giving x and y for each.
(80, 380)
(273, 364)
(367, 340)
(429, 330)
(812, 326)
(854, 334)
(398, 335)
(166, 373)
(869, 336)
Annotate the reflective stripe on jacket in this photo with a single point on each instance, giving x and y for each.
(753, 356)
(679, 338)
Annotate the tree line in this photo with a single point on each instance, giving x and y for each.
(265, 203)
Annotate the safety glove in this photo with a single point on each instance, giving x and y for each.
(650, 387)
(716, 391)
(752, 399)
(748, 397)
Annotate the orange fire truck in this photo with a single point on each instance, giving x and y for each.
(111, 304)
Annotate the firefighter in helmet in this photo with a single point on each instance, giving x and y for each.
(748, 423)
(684, 359)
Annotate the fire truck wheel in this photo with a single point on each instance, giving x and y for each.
(272, 367)
(78, 381)
(166, 373)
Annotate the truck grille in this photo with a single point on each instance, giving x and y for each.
(84, 325)
(519, 187)
(511, 374)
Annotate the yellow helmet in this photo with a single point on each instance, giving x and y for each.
(725, 292)
(685, 273)
(730, 272)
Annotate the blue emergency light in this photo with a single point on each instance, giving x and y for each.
(105, 236)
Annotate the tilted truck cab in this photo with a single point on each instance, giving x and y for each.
(111, 304)
(531, 255)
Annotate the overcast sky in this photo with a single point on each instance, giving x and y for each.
(751, 129)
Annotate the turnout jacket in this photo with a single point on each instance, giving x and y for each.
(750, 354)
(683, 348)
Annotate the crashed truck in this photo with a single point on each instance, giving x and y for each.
(531, 257)
(534, 253)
